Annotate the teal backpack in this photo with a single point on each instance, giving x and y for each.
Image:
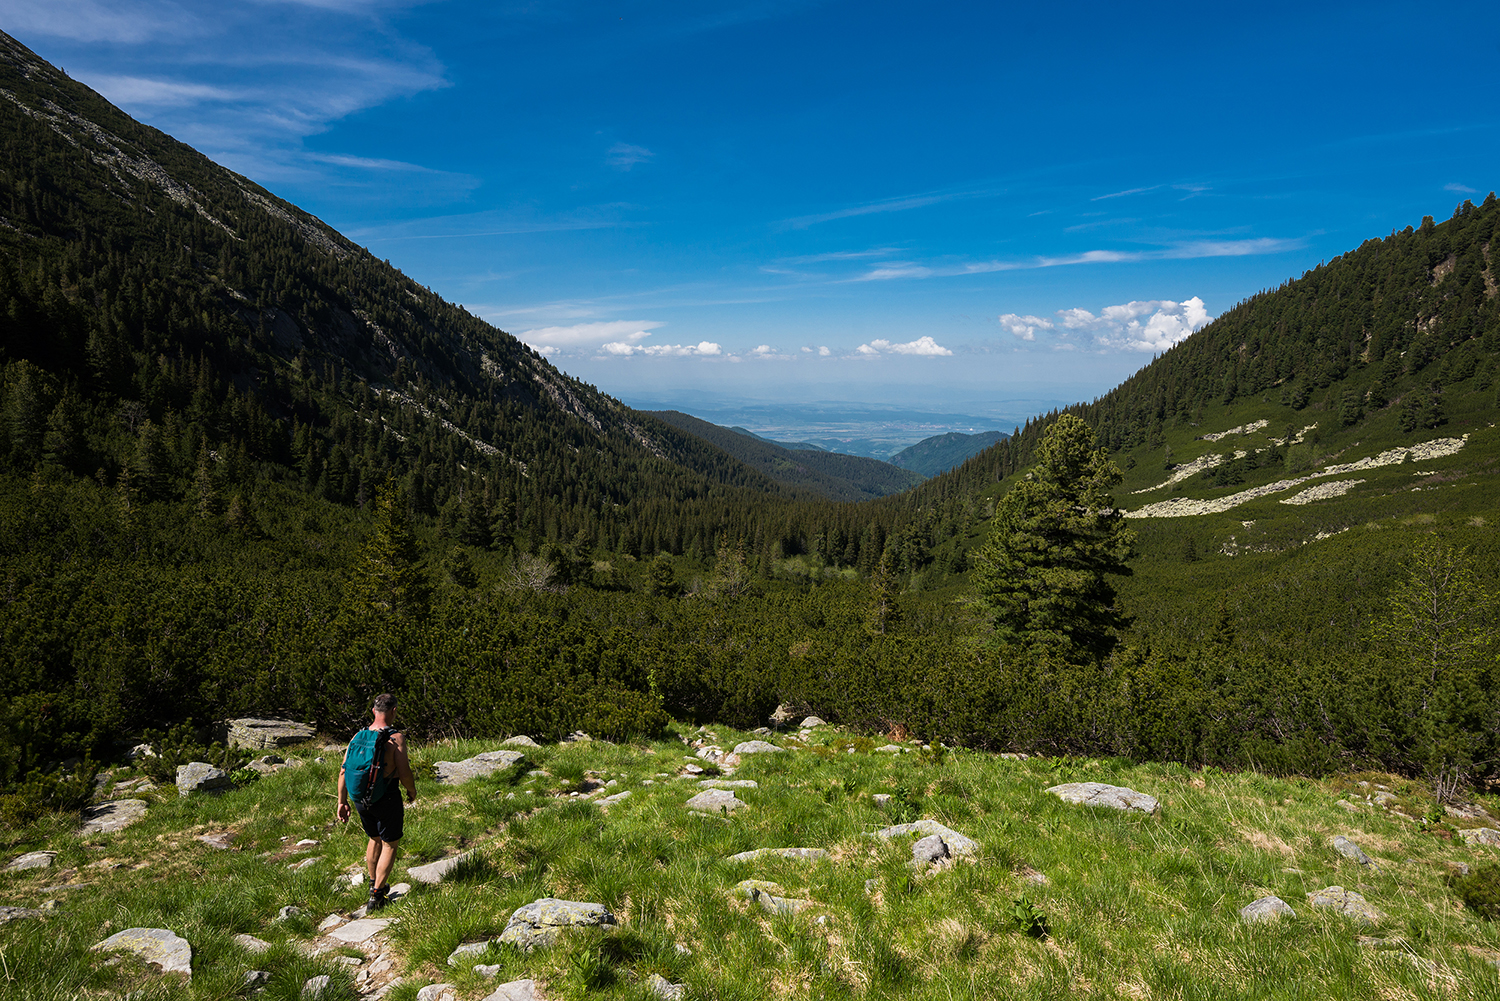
(364, 764)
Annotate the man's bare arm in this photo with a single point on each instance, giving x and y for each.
(403, 766)
(342, 810)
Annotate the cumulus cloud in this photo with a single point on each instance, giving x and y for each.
(555, 340)
(925, 346)
(701, 349)
(623, 156)
(1140, 325)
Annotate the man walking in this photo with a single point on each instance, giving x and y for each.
(375, 761)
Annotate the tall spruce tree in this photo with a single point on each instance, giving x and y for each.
(1043, 576)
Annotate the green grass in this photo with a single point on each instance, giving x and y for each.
(1135, 906)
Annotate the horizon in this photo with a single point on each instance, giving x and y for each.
(785, 203)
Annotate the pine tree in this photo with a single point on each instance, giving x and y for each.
(388, 577)
(1057, 537)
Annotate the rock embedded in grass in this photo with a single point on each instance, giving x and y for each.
(716, 800)
(458, 772)
(200, 776)
(520, 740)
(257, 734)
(31, 860)
(729, 783)
(1350, 850)
(314, 987)
(468, 950)
(516, 990)
(540, 922)
(9, 914)
(769, 896)
(1103, 794)
(359, 931)
(1345, 902)
(116, 815)
(438, 992)
(665, 989)
(1481, 836)
(1266, 909)
(957, 844)
(436, 872)
(756, 747)
(158, 946)
(251, 944)
(812, 721)
(931, 850)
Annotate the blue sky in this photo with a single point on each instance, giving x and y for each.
(873, 202)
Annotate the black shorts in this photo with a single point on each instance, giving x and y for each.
(385, 818)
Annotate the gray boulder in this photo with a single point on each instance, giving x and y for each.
(516, 990)
(728, 783)
(466, 954)
(1350, 850)
(756, 747)
(458, 772)
(930, 850)
(437, 992)
(31, 860)
(1481, 836)
(200, 776)
(116, 815)
(958, 844)
(1266, 909)
(254, 978)
(716, 800)
(1102, 794)
(262, 734)
(251, 944)
(768, 897)
(663, 988)
(9, 914)
(812, 721)
(520, 740)
(540, 922)
(1345, 902)
(157, 946)
(436, 872)
(314, 987)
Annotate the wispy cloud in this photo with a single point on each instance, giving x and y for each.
(120, 21)
(1183, 251)
(139, 90)
(1123, 194)
(623, 156)
(1461, 189)
(1140, 325)
(555, 340)
(903, 203)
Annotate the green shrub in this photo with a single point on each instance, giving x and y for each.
(1480, 891)
(618, 713)
(179, 745)
(48, 792)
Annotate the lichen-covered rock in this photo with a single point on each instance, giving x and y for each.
(200, 776)
(116, 815)
(31, 860)
(663, 988)
(157, 946)
(1346, 902)
(516, 990)
(1350, 850)
(958, 844)
(803, 854)
(715, 801)
(263, 734)
(540, 922)
(436, 872)
(1266, 909)
(1481, 836)
(458, 772)
(1103, 794)
(9, 914)
(756, 747)
(769, 896)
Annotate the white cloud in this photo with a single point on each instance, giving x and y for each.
(1140, 325)
(555, 340)
(1176, 252)
(824, 352)
(1460, 189)
(92, 21)
(146, 91)
(924, 346)
(623, 156)
(701, 349)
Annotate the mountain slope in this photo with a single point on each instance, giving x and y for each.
(831, 474)
(942, 452)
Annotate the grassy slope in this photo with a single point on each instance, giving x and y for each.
(1138, 906)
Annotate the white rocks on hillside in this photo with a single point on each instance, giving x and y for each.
(1266, 909)
(31, 860)
(540, 922)
(756, 747)
(516, 990)
(116, 815)
(956, 843)
(157, 946)
(200, 776)
(1102, 794)
(1345, 902)
(436, 872)
(716, 800)
(804, 854)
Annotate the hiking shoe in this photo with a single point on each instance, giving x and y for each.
(378, 899)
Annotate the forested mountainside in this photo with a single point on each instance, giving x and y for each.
(831, 474)
(942, 452)
(247, 468)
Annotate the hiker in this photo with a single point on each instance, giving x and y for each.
(375, 761)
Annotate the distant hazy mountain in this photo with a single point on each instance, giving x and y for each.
(941, 453)
(832, 474)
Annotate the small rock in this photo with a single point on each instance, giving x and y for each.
(811, 722)
(315, 986)
(331, 922)
(200, 776)
(540, 922)
(612, 800)
(1012, 756)
(1350, 850)
(1035, 878)
(8, 914)
(1103, 794)
(871, 885)
(665, 989)
(254, 978)
(251, 944)
(157, 946)
(288, 912)
(768, 896)
(516, 990)
(1457, 868)
(32, 860)
(488, 971)
(756, 747)
(468, 951)
(763, 731)
(1481, 836)
(459, 772)
(140, 751)
(803, 854)
(577, 737)
(1384, 798)
(729, 783)
(1346, 902)
(360, 931)
(221, 841)
(306, 843)
(299, 866)
(958, 844)
(520, 740)
(438, 992)
(116, 815)
(715, 800)
(1266, 909)
(929, 850)
(436, 872)
(51, 905)
(881, 800)
(692, 769)
(889, 749)
(1344, 804)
